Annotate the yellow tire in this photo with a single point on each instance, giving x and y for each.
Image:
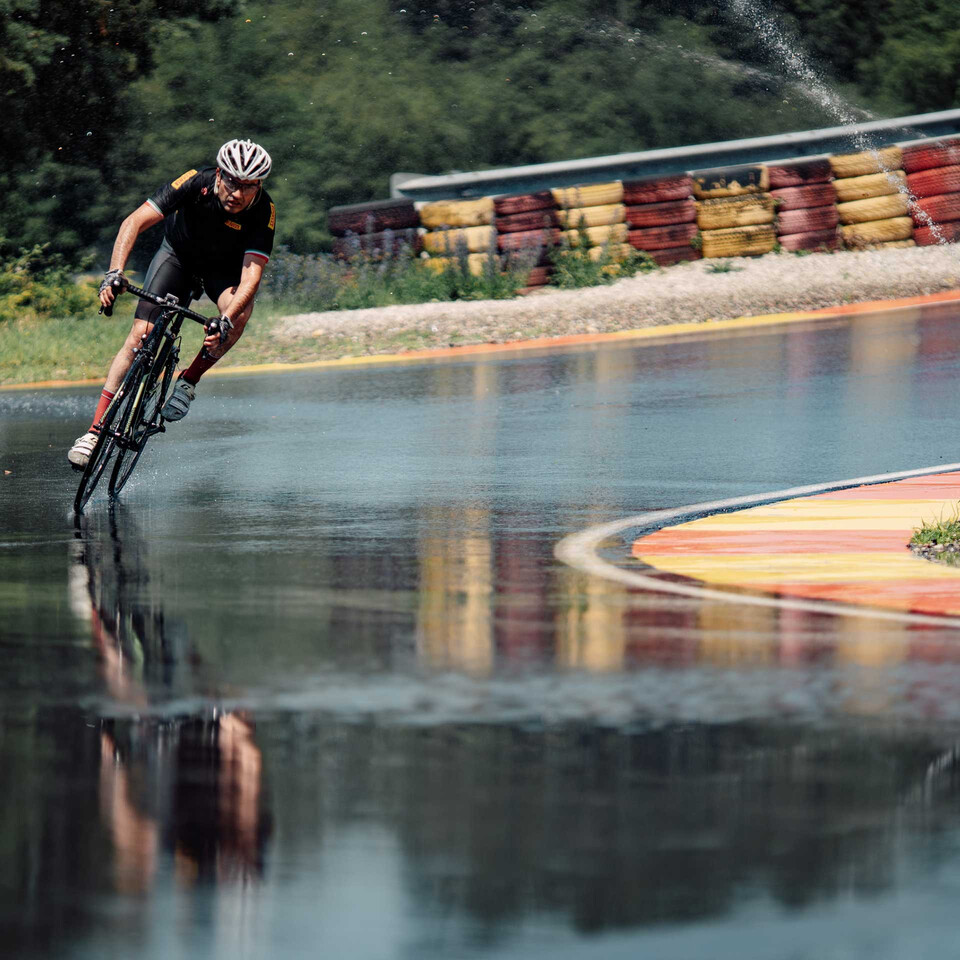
(457, 213)
(476, 240)
(867, 161)
(599, 216)
(598, 236)
(743, 211)
(589, 195)
(617, 251)
(476, 263)
(750, 241)
(731, 181)
(870, 185)
(860, 235)
(874, 208)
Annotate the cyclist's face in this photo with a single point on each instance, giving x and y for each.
(235, 195)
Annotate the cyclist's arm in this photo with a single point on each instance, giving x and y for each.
(250, 277)
(144, 217)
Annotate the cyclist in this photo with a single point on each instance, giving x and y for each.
(218, 237)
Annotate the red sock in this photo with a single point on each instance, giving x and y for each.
(105, 397)
(201, 364)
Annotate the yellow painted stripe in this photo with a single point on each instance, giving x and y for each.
(802, 567)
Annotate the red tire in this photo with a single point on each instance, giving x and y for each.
(374, 217)
(926, 156)
(800, 172)
(525, 239)
(800, 198)
(811, 240)
(662, 214)
(805, 221)
(661, 238)
(538, 276)
(531, 220)
(671, 255)
(941, 209)
(377, 244)
(523, 203)
(657, 189)
(933, 182)
(942, 233)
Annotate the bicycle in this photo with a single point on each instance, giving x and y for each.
(134, 414)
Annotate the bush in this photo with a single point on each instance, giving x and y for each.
(575, 267)
(36, 284)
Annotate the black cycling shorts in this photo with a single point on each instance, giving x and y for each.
(166, 274)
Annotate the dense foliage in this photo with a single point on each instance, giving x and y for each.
(104, 100)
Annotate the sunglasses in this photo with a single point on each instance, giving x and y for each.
(234, 185)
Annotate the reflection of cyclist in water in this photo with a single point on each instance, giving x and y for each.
(204, 769)
(220, 225)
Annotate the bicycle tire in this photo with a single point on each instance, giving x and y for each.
(146, 411)
(106, 444)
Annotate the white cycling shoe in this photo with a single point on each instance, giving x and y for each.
(178, 403)
(79, 455)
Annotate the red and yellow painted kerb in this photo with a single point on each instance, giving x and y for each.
(849, 546)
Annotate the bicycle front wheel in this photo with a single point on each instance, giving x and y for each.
(142, 420)
(110, 434)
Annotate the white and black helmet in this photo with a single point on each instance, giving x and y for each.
(244, 160)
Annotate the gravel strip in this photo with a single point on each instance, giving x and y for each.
(774, 283)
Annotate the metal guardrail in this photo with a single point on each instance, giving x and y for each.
(631, 166)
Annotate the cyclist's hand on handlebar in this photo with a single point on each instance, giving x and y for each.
(218, 329)
(113, 283)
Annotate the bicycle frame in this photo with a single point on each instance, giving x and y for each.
(152, 368)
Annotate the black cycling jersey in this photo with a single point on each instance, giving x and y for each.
(202, 233)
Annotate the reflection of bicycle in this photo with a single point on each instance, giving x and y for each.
(134, 413)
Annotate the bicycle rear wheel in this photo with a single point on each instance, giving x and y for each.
(109, 436)
(143, 420)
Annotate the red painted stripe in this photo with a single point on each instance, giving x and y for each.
(679, 540)
(915, 596)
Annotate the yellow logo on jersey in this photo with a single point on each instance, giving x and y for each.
(273, 217)
(180, 181)
(232, 225)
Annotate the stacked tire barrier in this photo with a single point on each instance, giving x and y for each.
(527, 231)
(374, 229)
(872, 201)
(593, 214)
(806, 204)
(455, 228)
(661, 217)
(933, 178)
(735, 211)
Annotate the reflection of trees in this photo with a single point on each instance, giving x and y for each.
(619, 830)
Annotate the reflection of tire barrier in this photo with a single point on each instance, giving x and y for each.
(457, 213)
(374, 217)
(870, 185)
(866, 162)
(750, 241)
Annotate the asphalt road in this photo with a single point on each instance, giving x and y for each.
(318, 684)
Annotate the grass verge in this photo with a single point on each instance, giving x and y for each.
(938, 532)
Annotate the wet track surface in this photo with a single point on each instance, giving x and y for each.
(319, 687)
